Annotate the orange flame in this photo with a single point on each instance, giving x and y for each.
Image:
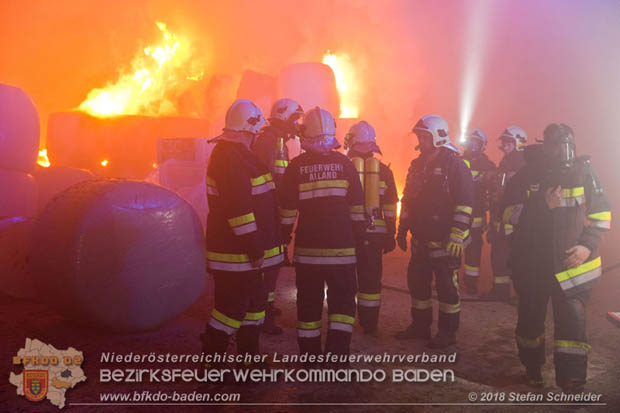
(42, 159)
(346, 83)
(159, 73)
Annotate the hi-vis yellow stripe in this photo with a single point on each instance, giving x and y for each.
(382, 185)
(239, 258)
(325, 252)
(356, 209)
(243, 219)
(600, 216)
(334, 183)
(261, 179)
(341, 318)
(365, 296)
(254, 316)
(573, 192)
(309, 325)
(288, 213)
(231, 322)
(467, 163)
(281, 163)
(583, 268)
(463, 208)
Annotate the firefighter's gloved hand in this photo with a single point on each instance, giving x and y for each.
(577, 255)
(554, 197)
(401, 239)
(454, 248)
(390, 245)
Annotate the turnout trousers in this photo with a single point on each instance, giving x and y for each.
(341, 288)
(570, 347)
(240, 300)
(420, 278)
(369, 272)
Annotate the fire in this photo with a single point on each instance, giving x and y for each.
(159, 73)
(346, 82)
(42, 159)
(104, 163)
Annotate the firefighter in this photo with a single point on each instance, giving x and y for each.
(513, 141)
(243, 237)
(323, 188)
(270, 147)
(437, 206)
(380, 205)
(481, 167)
(562, 214)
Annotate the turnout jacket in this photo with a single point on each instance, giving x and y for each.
(242, 225)
(266, 148)
(325, 191)
(542, 235)
(508, 167)
(437, 201)
(388, 197)
(481, 167)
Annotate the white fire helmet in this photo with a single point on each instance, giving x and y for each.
(362, 138)
(479, 135)
(244, 116)
(287, 110)
(438, 128)
(318, 131)
(517, 134)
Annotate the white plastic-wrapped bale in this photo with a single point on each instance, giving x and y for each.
(15, 271)
(55, 179)
(18, 194)
(19, 130)
(122, 255)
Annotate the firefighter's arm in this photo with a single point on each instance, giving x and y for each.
(235, 189)
(404, 218)
(289, 196)
(389, 202)
(355, 199)
(462, 192)
(512, 202)
(598, 212)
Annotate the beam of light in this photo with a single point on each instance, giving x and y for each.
(346, 83)
(476, 38)
(104, 163)
(42, 159)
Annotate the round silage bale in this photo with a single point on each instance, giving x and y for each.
(18, 194)
(55, 179)
(123, 255)
(15, 271)
(19, 130)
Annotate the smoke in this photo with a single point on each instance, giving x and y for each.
(538, 62)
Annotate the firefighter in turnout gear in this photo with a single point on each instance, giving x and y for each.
(562, 214)
(513, 141)
(244, 236)
(323, 188)
(380, 206)
(437, 207)
(481, 167)
(270, 147)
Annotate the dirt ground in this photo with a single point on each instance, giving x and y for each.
(486, 364)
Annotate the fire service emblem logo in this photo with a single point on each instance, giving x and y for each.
(35, 384)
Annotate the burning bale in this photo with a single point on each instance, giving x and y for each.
(121, 255)
(310, 84)
(260, 88)
(119, 147)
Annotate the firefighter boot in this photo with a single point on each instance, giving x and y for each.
(214, 341)
(414, 333)
(442, 340)
(534, 377)
(270, 327)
